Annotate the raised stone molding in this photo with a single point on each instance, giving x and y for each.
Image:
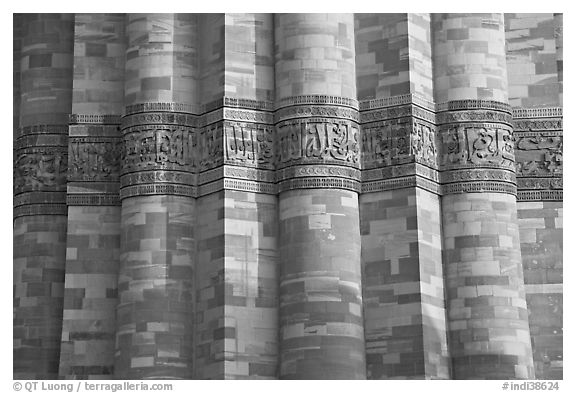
(413, 98)
(401, 182)
(159, 118)
(252, 174)
(540, 183)
(40, 202)
(537, 112)
(409, 110)
(298, 171)
(32, 198)
(161, 107)
(40, 141)
(318, 100)
(95, 131)
(77, 118)
(473, 104)
(40, 209)
(537, 195)
(157, 189)
(246, 115)
(476, 115)
(41, 129)
(238, 185)
(534, 124)
(159, 176)
(479, 186)
(306, 111)
(93, 200)
(249, 103)
(477, 174)
(319, 182)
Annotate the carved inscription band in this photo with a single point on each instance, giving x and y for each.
(476, 147)
(177, 151)
(40, 167)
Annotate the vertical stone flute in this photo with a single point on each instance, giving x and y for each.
(155, 286)
(41, 158)
(318, 162)
(488, 325)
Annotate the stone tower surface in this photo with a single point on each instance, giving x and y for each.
(288, 196)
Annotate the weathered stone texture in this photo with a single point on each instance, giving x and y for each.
(45, 87)
(531, 57)
(154, 335)
(90, 292)
(314, 55)
(161, 58)
(469, 57)
(321, 326)
(288, 196)
(403, 285)
(488, 318)
(541, 242)
(39, 255)
(99, 44)
(393, 55)
(249, 56)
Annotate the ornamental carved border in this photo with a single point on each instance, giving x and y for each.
(94, 159)
(249, 144)
(317, 141)
(473, 145)
(398, 141)
(160, 147)
(307, 111)
(40, 169)
(332, 171)
(539, 154)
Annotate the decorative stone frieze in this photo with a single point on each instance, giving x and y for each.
(317, 141)
(249, 144)
(94, 159)
(40, 169)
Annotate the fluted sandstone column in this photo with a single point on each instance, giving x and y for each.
(321, 328)
(488, 326)
(41, 144)
(154, 336)
(93, 233)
